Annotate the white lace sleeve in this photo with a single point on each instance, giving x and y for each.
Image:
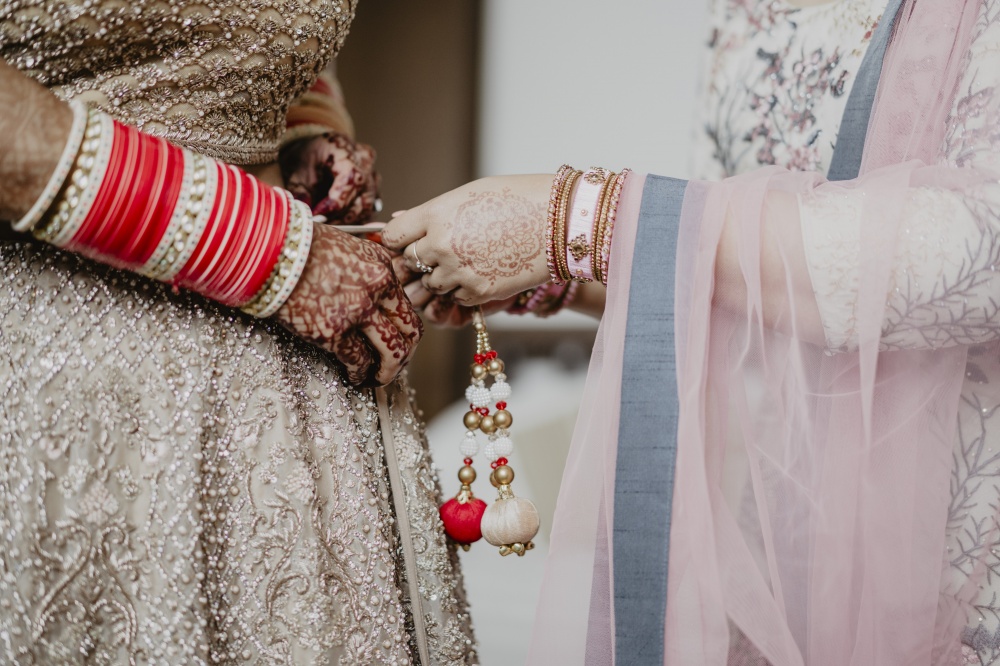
(943, 289)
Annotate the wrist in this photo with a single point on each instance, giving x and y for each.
(581, 213)
(30, 175)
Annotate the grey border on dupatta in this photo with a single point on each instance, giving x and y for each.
(846, 161)
(647, 433)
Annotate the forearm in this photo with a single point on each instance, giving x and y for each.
(139, 203)
(34, 127)
(788, 301)
(590, 299)
(85, 183)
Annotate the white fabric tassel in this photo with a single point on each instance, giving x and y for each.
(510, 521)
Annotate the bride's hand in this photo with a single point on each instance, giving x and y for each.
(485, 240)
(440, 310)
(334, 174)
(349, 302)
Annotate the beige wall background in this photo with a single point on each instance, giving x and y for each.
(409, 71)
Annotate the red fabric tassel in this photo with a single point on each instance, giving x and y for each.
(462, 519)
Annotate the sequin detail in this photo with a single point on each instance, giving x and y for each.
(183, 484)
(213, 76)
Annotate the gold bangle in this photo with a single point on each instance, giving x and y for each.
(550, 230)
(559, 241)
(600, 222)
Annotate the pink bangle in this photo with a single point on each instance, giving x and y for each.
(582, 224)
(616, 194)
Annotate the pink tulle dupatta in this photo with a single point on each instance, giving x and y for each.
(575, 615)
(812, 487)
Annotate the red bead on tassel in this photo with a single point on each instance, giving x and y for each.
(463, 514)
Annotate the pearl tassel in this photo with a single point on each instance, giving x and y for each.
(511, 522)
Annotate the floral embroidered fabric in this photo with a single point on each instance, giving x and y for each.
(182, 484)
(795, 68)
(777, 84)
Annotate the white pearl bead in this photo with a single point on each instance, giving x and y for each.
(490, 451)
(503, 446)
(469, 445)
(500, 391)
(478, 395)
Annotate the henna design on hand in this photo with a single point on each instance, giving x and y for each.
(333, 174)
(349, 302)
(496, 234)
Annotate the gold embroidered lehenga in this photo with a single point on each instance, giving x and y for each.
(181, 484)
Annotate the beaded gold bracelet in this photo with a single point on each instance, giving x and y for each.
(609, 227)
(562, 213)
(600, 224)
(550, 231)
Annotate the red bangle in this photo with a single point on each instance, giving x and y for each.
(82, 240)
(277, 209)
(239, 235)
(137, 202)
(166, 193)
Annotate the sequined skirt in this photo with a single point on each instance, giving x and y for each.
(184, 485)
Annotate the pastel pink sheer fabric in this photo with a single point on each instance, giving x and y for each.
(812, 486)
(578, 572)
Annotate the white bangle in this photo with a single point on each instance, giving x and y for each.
(291, 264)
(61, 173)
(84, 182)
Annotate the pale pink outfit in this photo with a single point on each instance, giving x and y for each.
(837, 489)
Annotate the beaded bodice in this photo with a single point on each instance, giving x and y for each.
(215, 76)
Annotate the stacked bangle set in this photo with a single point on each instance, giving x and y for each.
(137, 202)
(581, 223)
(578, 233)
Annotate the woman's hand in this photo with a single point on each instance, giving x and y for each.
(333, 174)
(444, 311)
(349, 302)
(485, 240)
(440, 310)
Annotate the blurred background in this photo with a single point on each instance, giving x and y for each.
(451, 90)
